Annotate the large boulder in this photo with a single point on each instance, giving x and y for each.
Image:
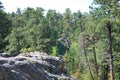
(32, 66)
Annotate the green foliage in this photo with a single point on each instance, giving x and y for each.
(86, 76)
(76, 74)
(54, 51)
(32, 30)
(71, 60)
(24, 50)
(61, 48)
(1, 6)
(73, 49)
(16, 43)
(5, 27)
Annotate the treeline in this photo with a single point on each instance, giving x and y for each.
(32, 30)
(94, 37)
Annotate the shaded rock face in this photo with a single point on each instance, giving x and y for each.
(32, 66)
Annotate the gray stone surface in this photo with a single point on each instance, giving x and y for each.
(32, 66)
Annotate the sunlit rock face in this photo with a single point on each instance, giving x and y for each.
(32, 66)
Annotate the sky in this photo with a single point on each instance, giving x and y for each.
(58, 5)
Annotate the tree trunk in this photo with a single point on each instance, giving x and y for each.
(95, 60)
(108, 26)
(94, 54)
(86, 59)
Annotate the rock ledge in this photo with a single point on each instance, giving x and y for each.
(32, 66)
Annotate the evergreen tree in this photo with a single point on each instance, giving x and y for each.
(5, 27)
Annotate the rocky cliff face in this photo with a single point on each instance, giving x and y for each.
(32, 66)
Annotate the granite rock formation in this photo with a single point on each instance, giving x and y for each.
(32, 66)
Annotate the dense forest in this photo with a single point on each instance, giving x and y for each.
(89, 43)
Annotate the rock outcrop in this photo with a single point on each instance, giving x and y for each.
(32, 66)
